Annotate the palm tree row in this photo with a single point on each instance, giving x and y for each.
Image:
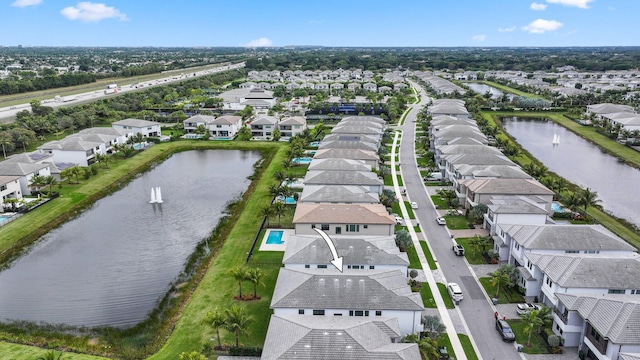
(243, 274)
(38, 182)
(234, 319)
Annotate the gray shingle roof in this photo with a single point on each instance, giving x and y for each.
(584, 271)
(337, 194)
(351, 289)
(346, 154)
(371, 250)
(318, 337)
(330, 177)
(352, 137)
(135, 123)
(338, 165)
(566, 237)
(616, 317)
(373, 214)
(356, 129)
(19, 169)
(516, 205)
(506, 186)
(492, 171)
(341, 144)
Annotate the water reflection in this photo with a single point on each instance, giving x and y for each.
(113, 263)
(483, 88)
(582, 163)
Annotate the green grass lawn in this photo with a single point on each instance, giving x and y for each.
(445, 296)
(407, 205)
(427, 254)
(11, 351)
(439, 202)
(472, 257)
(457, 222)
(503, 297)
(427, 296)
(538, 344)
(414, 261)
(468, 348)
(400, 182)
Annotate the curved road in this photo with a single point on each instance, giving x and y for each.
(476, 310)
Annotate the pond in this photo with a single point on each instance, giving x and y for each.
(483, 88)
(580, 162)
(111, 265)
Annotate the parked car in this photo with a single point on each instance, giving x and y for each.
(505, 330)
(455, 292)
(525, 308)
(399, 220)
(414, 205)
(441, 221)
(458, 250)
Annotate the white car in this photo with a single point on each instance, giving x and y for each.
(399, 220)
(455, 292)
(525, 308)
(441, 221)
(414, 205)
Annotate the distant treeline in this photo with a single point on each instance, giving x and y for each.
(8, 87)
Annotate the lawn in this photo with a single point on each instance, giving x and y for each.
(445, 296)
(11, 351)
(439, 202)
(538, 344)
(427, 254)
(414, 261)
(511, 296)
(457, 222)
(407, 205)
(472, 257)
(427, 296)
(468, 348)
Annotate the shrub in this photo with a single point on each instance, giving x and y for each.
(245, 351)
(553, 340)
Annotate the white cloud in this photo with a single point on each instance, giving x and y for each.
(582, 4)
(541, 26)
(538, 7)
(509, 29)
(25, 3)
(479, 37)
(263, 41)
(92, 12)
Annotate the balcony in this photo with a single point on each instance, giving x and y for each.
(561, 315)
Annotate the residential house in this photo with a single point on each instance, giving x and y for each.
(336, 338)
(81, 148)
(137, 126)
(10, 188)
(192, 123)
(366, 179)
(348, 219)
(509, 210)
(353, 137)
(264, 126)
(292, 126)
(24, 172)
(225, 127)
(370, 87)
(601, 326)
(370, 158)
(346, 144)
(357, 252)
(480, 191)
(353, 293)
(338, 194)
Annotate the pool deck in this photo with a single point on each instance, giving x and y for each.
(276, 247)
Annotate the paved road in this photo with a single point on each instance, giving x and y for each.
(475, 309)
(9, 112)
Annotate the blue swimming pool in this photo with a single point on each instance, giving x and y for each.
(556, 207)
(315, 143)
(303, 160)
(5, 217)
(138, 146)
(275, 237)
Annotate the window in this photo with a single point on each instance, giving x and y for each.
(359, 313)
(366, 313)
(313, 226)
(616, 291)
(218, 126)
(571, 251)
(350, 312)
(318, 312)
(324, 227)
(371, 267)
(337, 314)
(3, 187)
(365, 226)
(353, 228)
(322, 266)
(635, 292)
(307, 266)
(592, 252)
(300, 311)
(378, 313)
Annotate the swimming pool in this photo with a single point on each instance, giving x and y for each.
(315, 144)
(556, 207)
(5, 217)
(275, 237)
(138, 146)
(222, 138)
(303, 160)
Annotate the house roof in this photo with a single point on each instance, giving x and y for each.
(109, 131)
(506, 186)
(363, 118)
(628, 356)
(352, 137)
(5, 179)
(265, 120)
(70, 145)
(607, 108)
(516, 205)
(27, 158)
(227, 120)
(478, 159)
(19, 169)
(338, 164)
(355, 154)
(350, 289)
(566, 237)
(135, 123)
(294, 120)
(357, 129)
(492, 171)
(468, 149)
(308, 213)
(200, 119)
(359, 122)
(356, 250)
(616, 317)
(345, 144)
(585, 271)
(337, 194)
(293, 337)
(331, 177)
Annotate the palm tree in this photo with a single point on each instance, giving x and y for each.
(448, 195)
(50, 181)
(37, 181)
(267, 211)
(216, 319)
(544, 314)
(427, 346)
(572, 200)
(588, 198)
(498, 278)
(240, 275)
(244, 133)
(194, 355)
(237, 321)
(274, 190)
(280, 176)
(6, 140)
(255, 276)
(532, 321)
(279, 209)
(51, 355)
(75, 171)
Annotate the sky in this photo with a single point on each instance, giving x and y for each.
(365, 23)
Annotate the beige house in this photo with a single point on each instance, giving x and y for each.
(343, 219)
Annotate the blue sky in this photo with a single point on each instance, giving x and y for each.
(320, 22)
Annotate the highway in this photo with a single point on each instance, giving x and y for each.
(8, 113)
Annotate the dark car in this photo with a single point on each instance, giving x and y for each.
(505, 330)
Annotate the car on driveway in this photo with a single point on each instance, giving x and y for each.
(505, 330)
(441, 221)
(414, 205)
(525, 308)
(458, 250)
